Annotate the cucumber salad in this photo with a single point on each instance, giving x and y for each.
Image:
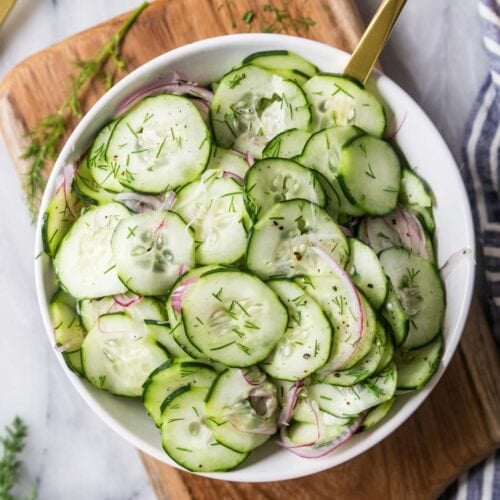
(253, 260)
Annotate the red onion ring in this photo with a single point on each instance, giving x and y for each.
(137, 202)
(249, 158)
(124, 301)
(177, 296)
(235, 177)
(291, 400)
(246, 374)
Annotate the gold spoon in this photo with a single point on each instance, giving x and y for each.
(374, 39)
(5, 6)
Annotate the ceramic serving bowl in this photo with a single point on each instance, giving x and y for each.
(204, 62)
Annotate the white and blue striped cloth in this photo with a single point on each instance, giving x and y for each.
(482, 177)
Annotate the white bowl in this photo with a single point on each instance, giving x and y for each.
(206, 61)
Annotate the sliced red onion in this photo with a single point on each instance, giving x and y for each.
(165, 86)
(291, 400)
(179, 292)
(126, 301)
(396, 127)
(68, 173)
(138, 202)
(320, 450)
(183, 269)
(250, 159)
(203, 108)
(345, 230)
(453, 260)
(355, 298)
(290, 445)
(235, 177)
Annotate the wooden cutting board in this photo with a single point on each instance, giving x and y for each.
(457, 426)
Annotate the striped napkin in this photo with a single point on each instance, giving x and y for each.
(482, 177)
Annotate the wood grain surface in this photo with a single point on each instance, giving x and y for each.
(457, 426)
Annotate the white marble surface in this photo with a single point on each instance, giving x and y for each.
(435, 53)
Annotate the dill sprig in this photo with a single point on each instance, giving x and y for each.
(45, 138)
(10, 465)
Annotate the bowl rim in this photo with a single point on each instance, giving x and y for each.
(221, 42)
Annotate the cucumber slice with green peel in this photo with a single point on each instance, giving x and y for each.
(68, 329)
(117, 357)
(279, 60)
(58, 219)
(150, 249)
(84, 262)
(283, 241)
(353, 320)
(274, 179)
(74, 361)
(169, 377)
(414, 190)
(233, 317)
(399, 228)
(352, 401)
(87, 188)
(146, 308)
(160, 144)
(425, 216)
(387, 355)
(288, 144)
(376, 415)
(338, 101)
(242, 416)
(306, 433)
(369, 174)
(395, 316)
(322, 154)
(367, 273)
(215, 209)
(420, 290)
(161, 331)
(252, 105)
(361, 370)
(103, 169)
(225, 160)
(416, 367)
(307, 411)
(188, 440)
(306, 344)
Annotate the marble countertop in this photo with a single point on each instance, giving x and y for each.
(70, 453)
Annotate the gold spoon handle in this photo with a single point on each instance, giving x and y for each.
(5, 6)
(374, 39)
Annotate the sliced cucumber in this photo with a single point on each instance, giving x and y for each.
(238, 413)
(150, 249)
(395, 316)
(118, 357)
(304, 434)
(252, 105)
(322, 153)
(288, 144)
(420, 291)
(74, 361)
(369, 174)
(414, 190)
(162, 333)
(63, 210)
(281, 62)
(104, 170)
(416, 368)
(215, 209)
(274, 179)
(188, 440)
(145, 308)
(87, 188)
(68, 329)
(352, 317)
(352, 401)
(283, 241)
(307, 411)
(338, 101)
(306, 344)
(425, 216)
(376, 415)
(225, 160)
(169, 377)
(361, 370)
(387, 355)
(160, 144)
(84, 262)
(233, 317)
(367, 273)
